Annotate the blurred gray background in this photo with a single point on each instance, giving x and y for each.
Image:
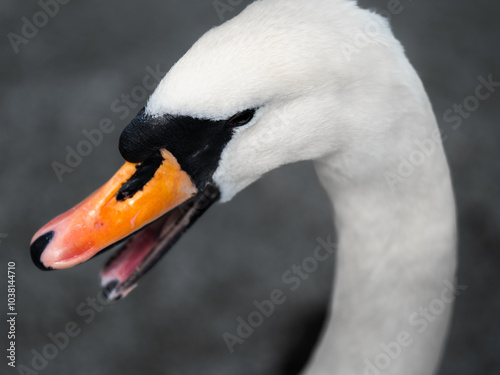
(66, 78)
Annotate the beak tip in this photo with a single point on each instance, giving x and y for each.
(37, 248)
(109, 289)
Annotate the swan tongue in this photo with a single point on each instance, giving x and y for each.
(144, 249)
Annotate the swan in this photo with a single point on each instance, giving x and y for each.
(285, 81)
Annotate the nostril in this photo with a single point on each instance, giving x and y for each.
(38, 247)
(144, 173)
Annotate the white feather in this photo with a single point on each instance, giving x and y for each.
(357, 111)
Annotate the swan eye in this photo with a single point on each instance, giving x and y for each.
(241, 118)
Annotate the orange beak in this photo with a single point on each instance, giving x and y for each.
(108, 215)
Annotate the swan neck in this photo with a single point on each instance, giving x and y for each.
(395, 262)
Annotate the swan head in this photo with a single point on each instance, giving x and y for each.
(299, 77)
(267, 88)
